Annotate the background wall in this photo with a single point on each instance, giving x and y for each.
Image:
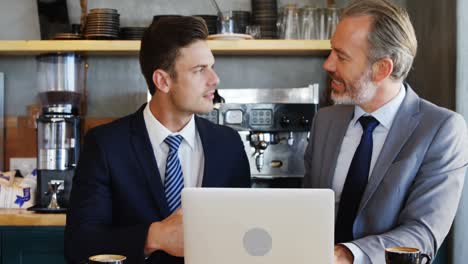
(434, 68)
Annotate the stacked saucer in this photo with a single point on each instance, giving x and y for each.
(265, 14)
(67, 36)
(102, 23)
(132, 33)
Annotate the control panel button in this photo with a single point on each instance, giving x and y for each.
(234, 117)
(285, 121)
(261, 117)
(305, 122)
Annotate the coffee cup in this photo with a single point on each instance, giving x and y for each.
(405, 255)
(107, 259)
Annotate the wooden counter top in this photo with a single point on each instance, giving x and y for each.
(21, 217)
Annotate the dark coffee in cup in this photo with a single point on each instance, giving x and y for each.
(405, 255)
(107, 259)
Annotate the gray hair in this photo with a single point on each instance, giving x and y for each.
(392, 34)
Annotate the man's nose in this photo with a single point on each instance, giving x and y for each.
(213, 79)
(329, 64)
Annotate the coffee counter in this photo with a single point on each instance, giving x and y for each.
(22, 217)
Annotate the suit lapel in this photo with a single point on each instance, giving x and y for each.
(145, 156)
(335, 131)
(209, 171)
(406, 120)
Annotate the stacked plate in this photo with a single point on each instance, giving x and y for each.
(132, 33)
(67, 36)
(265, 14)
(211, 22)
(102, 23)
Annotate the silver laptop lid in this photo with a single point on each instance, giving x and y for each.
(232, 226)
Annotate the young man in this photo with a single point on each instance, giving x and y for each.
(126, 192)
(395, 161)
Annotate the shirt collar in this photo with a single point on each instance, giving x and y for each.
(386, 113)
(158, 132)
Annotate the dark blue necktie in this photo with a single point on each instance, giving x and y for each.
(355, 183)
(174, 180)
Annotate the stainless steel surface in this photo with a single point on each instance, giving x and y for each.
(2, 122)
(279, 160)
(53, 159)
(273, 125)
(260, 141)
(302, 95)
(56, 142)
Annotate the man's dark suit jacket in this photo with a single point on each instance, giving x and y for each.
(117, 190)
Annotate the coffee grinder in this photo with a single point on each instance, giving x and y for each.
(61, 80)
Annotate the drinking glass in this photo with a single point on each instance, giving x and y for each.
(308, 27)
(290, 22)
(226, 23)
(332, 21)
(254, 31)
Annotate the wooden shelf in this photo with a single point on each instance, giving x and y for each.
(131, 47)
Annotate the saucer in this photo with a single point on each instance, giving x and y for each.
(229, 36)
(37, 209)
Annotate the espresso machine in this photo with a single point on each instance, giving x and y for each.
(274, 125)
(61, 84)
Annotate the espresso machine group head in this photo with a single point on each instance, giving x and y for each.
(61, 86)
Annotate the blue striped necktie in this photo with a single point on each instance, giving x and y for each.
(174, 180)
(355, 183)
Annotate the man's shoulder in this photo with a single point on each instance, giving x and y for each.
(431, 109)
(435, 114)
(334, 111)
(214, 129)
(113, 129)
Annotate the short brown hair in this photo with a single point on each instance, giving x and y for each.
(162, 41)
(392, 34)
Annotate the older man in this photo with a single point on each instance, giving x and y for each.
(395, 161)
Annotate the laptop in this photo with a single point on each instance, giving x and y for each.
(258, 226)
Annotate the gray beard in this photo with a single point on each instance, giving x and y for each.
(359, 92)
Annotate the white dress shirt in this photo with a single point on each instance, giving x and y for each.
(385, 115)
(191, 156)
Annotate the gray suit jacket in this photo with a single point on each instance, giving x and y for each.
(415, 187)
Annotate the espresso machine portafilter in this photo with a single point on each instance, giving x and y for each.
(61, 86)
(274, 126)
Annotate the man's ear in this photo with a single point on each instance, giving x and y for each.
(162, 80)
(382, 69)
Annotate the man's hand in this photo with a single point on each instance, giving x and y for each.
(343, 255)
(167, 235)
